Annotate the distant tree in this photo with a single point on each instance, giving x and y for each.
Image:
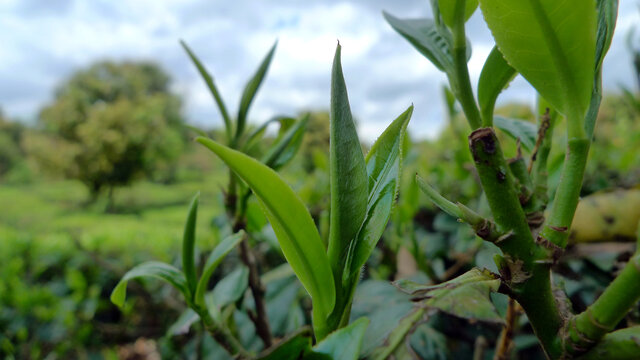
(10, 152)
(110, 124)
(316, 140)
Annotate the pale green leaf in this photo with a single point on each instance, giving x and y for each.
(154, 269)
(251, 89)
(495, 76)
(526, 131)
(552, 44)
(292, 223)
(215, 258)
(425, 36)
(212, 87)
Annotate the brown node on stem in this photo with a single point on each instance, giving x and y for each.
(488, 139)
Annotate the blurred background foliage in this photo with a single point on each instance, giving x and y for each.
(67, 236)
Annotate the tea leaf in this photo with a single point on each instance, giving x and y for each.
(290, 219)
(342, 344)
(251, 89)
(220, 251)
(384, 164)
(495, 76)
(259, 131)
(231, 287)
(466, 296)
(424, 35)
(347, 174)
(518, 129)
(212, 88)
(552, 44)
(448, 9)
(293, 347)
(155, 269)
(188, 241)
(286, 145)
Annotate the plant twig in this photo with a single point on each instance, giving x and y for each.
(505, 341)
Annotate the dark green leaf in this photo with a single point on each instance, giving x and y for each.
(347, 173)
(343, 344)
(552, 44)
(292, 223)
(495, 76)
(231, 287)
(397, 335)
(155, 269)
(384, 165)
(220, 251)
(466, 296)
(518, 129)
(188, 243)
(294, 347)
(448, 10)
(251, 89)
(286, 145)
(212, 88)
(424, 35)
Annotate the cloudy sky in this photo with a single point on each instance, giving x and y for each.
(43, 41)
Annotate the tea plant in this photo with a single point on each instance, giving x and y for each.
(558, 47)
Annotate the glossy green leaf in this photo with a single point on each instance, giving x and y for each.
(155, 269)
(526, 131)
(251, 89)
(424, 35)
(287, 145)
(552, 44)
(292, 223)
(342, 344)
(495, 76)
(293, 347)
(212, 88)
(220, 251)
(231, 287)
(448, 9)
(188, 243)
(466, 296)
(607, 15)
(347, 173)
(384, 166)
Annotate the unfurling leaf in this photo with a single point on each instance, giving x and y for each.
(466, 296)
(286, 145)
(155, 269)
(188, 243)
(495, 76)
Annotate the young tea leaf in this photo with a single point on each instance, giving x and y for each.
(347, 173)
(552, 44)
(466, 296)
(251, 89)
(496, 74)
(212, 88)
(292, 223)
(448, 9)
(384, 164)
(155, 269)
(221, 250)
(231, 287)
(188, 243)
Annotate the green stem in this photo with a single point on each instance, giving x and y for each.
(460, 77)
(223, 336)
(556, 229)
(585, 329)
